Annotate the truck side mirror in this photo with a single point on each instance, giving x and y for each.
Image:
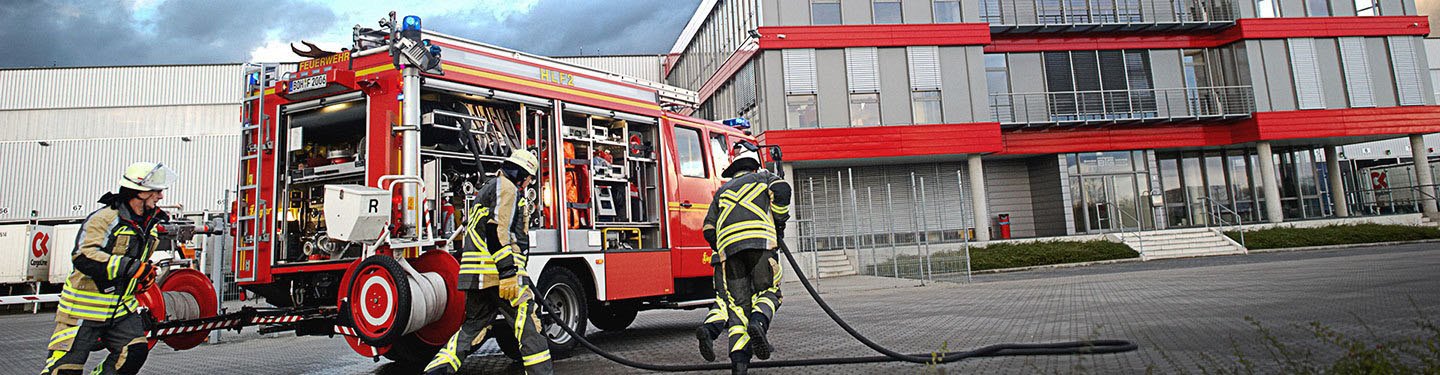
(775, 154)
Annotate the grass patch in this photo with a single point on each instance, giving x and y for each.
(1011, 255)
(1283, 237)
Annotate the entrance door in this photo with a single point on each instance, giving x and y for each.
(1110, 203)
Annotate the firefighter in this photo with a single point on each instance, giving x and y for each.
(744, 226)
(98, 308)
(492, 271)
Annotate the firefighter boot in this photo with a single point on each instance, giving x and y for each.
(707, 342)
(758, 343)
(739, 362)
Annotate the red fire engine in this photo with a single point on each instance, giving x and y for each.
(355, 171)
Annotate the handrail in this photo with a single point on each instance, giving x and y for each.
(1139, 226)
(1372, 200)
(1109, 105)
(1216, 204)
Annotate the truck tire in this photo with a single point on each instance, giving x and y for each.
(379, 298)
(615, 317)
(562, 289)
(411, 352)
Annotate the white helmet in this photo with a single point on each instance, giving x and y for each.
(146, 176)
(744, 157)
(525, 160)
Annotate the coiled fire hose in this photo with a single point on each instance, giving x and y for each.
(998, 350)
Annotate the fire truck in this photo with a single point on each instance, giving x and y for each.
(356, 169)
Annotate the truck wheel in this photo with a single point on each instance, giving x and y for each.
(504, 334)
(614, 317)
(411, 352)
(563, 290)
(379, 300)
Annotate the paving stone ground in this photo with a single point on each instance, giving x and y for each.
(1187, 315)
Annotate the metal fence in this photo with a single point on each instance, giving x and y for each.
(1391, 201)
(877, 246)
(1118, 105)
(1091, 12)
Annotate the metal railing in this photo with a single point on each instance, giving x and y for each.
(1122, 105)
(1217, 213)
(1092, 12)
(1390, 201)
(1139, 226)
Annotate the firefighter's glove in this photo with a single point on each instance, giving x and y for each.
(144, 277)
(510, 288)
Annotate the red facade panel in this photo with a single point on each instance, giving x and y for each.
(1113, 139)
(886, 141)
(1264, 126)
(1249, 28)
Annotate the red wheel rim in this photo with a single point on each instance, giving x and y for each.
(374, 299)
(152, 300)
(197, 285)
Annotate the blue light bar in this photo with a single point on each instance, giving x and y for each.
(738, 123)
(410, 23)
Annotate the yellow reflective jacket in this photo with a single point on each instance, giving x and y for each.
(748, 212)
(112, 245)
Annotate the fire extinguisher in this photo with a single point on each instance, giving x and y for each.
(1004, 221)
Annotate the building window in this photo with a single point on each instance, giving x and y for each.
(926, 107)
(948, 11)
(1367, 8)
(1266, 8)
(800, 112)
(1076, 79)
(865, 109)
(1317, 8)
(1309, 91)
(687, 149)
(887, 11)
(997, 80)
(824, 12)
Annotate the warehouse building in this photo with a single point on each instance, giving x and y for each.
(1066, 117)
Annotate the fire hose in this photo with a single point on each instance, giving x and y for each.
(998, 350)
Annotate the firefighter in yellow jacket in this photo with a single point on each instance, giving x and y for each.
(744, 227)
(492, 271)
(98, 308)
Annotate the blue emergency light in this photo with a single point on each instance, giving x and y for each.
(410, 23)
(738, 123)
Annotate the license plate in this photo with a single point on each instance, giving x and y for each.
(307, 84)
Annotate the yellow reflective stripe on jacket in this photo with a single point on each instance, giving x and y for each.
(779, 210)
(744, 226)
(747, 235)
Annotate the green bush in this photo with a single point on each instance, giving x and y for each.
(1011, 255)
(1283, 237)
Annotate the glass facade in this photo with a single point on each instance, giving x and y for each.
(723, 32)
(1109, 191)
(1199, 185)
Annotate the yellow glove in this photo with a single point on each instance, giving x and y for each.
(510, 288)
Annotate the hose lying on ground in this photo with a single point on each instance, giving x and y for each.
(998, 350)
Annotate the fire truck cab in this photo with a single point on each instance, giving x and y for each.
(356, 169)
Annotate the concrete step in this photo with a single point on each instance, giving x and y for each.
(1207, 244)
(826, 275)
(1173, 254)
(843, 262)
(1174, 241)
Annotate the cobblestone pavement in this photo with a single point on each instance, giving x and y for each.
(1187, 315)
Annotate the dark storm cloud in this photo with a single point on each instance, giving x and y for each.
(107, 32)
(565, 28)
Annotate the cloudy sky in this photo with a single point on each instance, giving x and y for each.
(139, 32)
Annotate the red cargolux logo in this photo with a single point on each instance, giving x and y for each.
(40, 245)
